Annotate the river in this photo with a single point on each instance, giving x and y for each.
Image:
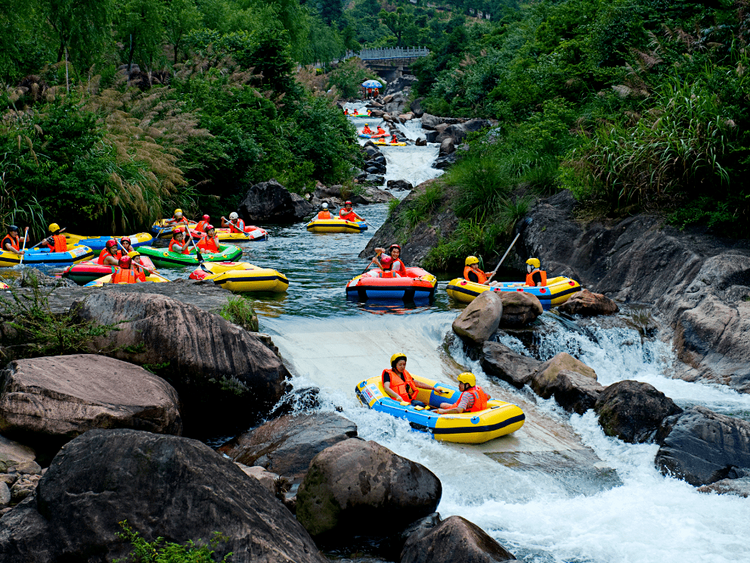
(557, 490)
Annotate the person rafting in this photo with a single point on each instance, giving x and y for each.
(135, 263)
(394, 139)
(381, 132)
(535, 276)
(210, 243)
(110, 254)
(355, 112)
(324, 213)
(179, 244)
(472, 272)
(12, 242)
(235, 224)
(56, 241)
(201, 226)
(472, 399)
(348, 214)
(399, 384)
(125, 273)
(366, 130)
(126, 245)
(178, 217)
(391, 264)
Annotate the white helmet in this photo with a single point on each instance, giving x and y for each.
(233, 215)
(324, 206)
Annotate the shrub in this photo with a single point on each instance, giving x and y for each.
(159, 551)
(239, 311)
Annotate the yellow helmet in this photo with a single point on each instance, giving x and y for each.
(177, 212)
(134, 253)
(54, 227)
(471, 260)
(534, 262)
(396, 357)
(467, 378)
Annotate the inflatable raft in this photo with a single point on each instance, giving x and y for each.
(557, 291)
(152, 278)
(336, 226)
(98, 243)
(226, 234)
(36, 256)
(241, 277)
(372, 136)
(416, 285)
(90, 270)
(163, 258)
(165, 228)
(498, 419)
(382, 143)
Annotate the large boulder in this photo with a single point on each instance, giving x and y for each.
(633, 411)
(519, 308)
(164, 486)
(226, 376)
(454, 540)
(48, 401)
(357, 488)
(480, 319)
(499, 360)
(447, 146)
(587, 303)
(430, 121)
(270, 202)
(287, 445)
(704, 447)
(573, 391)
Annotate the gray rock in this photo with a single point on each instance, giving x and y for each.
(703, 447)
(150, 480)
(739, 487)
(431, 136)
(55, 399)
(399, 185)
(445, 162)
(447, 146)
(454, 540)
(519, 308)
(416, 107)
(633, 411)
(480, 319)
(4, 495)
(357, 488)
(287, 445)
(573, 391)
(430, 121)
(588, 304)
(499, 360)
(226, 377)
(270, 202)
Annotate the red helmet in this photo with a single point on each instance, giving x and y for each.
(206, 218)
(209, 227)
(124, 262)
(347, 203)
(111, 243)
(123, 240)
(394, 246)
(179, 230)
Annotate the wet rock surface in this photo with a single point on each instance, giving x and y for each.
(633, 411)
(357, 488)
(225, 375)
(270, 202)
(499, 360)
(106, 476)
(589, 304)
(454, 540)
(519, 309)
(703, 447)
(572, 390)
(48, 401)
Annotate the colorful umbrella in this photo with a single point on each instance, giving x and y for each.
(371, 84)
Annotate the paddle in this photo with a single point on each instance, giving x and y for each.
(25, 238)
(242, 231)
(525, 222)
(133, 262)
(195, 247)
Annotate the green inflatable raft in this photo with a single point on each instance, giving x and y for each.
(163, 258)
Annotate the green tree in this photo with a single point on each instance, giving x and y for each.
(396, 21)
(140, 25)
(182, 16)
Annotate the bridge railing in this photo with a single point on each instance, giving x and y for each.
(388, 53)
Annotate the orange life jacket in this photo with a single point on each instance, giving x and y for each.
(394, 140)
(405, 387)
(480, 399)
(381, 131)
(325, 215)
(139, 273)
(240, 228)
(350, 216)
(124, 275)
(104, 253)
(14, 242)
(209, 245)
(479, 274)
(201, 226)
(390, 272)
(59, 244)
(185, 246)
(366, 130)
(530, 278)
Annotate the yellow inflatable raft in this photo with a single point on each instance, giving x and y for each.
(242, 277)
(557, 291)
(152, 278)
(336, 226)
(388, 144)
(498, 419)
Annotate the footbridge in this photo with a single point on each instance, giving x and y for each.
(389, 63)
